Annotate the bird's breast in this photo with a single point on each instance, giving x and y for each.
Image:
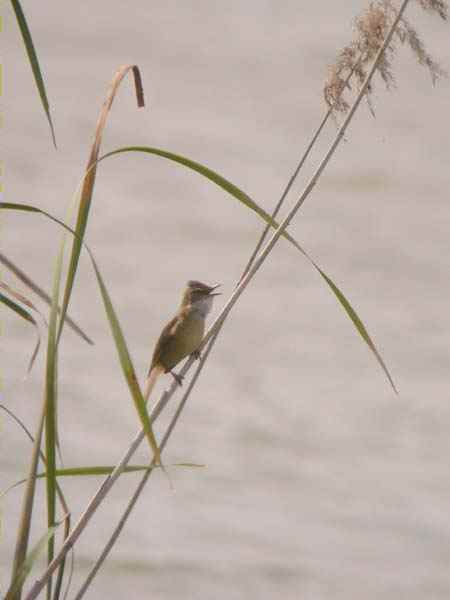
(190, 333)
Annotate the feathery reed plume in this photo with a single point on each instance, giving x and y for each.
(371, 27)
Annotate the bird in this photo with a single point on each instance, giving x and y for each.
(183, 334)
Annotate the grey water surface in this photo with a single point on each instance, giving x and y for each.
(320, 482)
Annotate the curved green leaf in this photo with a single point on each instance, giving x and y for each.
(360, 327)
(202, 170)
(28, 317)
(247, 201)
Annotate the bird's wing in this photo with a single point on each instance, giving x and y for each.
(167, 333)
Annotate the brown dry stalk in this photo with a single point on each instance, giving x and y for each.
(91, 172)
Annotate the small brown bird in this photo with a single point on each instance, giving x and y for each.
(183, 334)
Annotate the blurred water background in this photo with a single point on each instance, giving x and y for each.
(320, 482)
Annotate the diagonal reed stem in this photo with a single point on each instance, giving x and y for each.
(117, 530)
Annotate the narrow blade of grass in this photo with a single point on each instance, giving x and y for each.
(360, 327)
(17, 309)
(23, 530)
(95, 470)
(34, 287)
(34, 62)
(213, 176)
(28, 563)
(78, 472)
(127, 366)
(249, 203)
(51, 397)
(98, 470)
(25, 315)
(21, 298)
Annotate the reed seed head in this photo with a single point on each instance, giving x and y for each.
(354, 60)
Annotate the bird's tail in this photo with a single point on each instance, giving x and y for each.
(152, 378)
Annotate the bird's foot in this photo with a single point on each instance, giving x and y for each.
(178, 378)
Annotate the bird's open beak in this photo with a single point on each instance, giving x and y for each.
(214, 287)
